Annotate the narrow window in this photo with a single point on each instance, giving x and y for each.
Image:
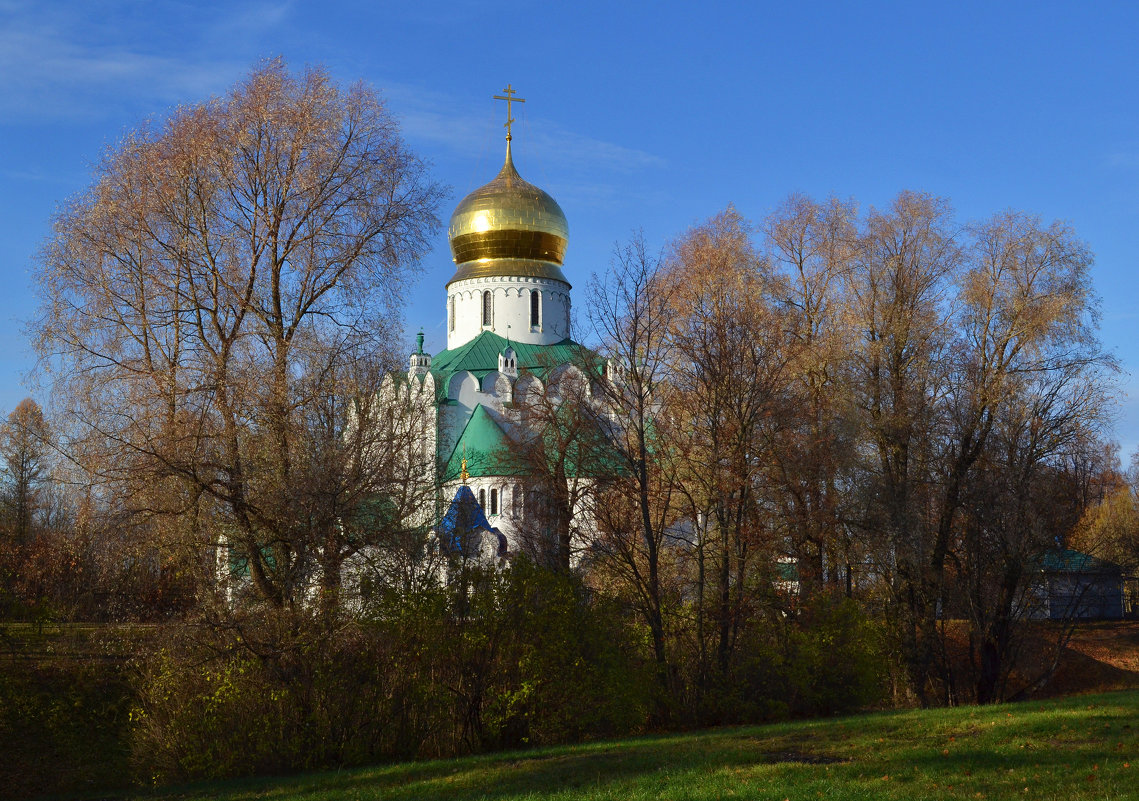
(451, 314)
(487, 299)
(494, 501)
(535, 300)
(482, 498)
(516, 501)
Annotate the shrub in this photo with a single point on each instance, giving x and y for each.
(63, 716)
(835, 658)
(297, 697)
(566, 670)
(522, 656)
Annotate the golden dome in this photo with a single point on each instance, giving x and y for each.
(508, 227)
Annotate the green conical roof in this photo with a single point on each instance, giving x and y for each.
(489, 452)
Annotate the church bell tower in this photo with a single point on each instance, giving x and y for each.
(508, 239)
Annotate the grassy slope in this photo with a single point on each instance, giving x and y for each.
(1078, 748)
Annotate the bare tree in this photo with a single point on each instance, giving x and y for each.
(204, 299)
(728, 390)
(631, 309)
(813, 245)
(964, 331)
(899, 291)
(1027, 395)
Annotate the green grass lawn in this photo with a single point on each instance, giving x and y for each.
(1084, 747)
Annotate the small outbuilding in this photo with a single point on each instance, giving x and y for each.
(1081, 586)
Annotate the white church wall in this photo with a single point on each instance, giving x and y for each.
(414, 414)
(568, 380)
(464, 388)
(528, 389)
(510, 310)
(503, 388)
(452, 419)
(428, 423)
(557, 317)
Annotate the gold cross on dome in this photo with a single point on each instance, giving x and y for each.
(509, 93)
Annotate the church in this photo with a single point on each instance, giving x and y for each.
(508, 340)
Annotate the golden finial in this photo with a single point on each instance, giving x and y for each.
(463, 474)
(509, 98)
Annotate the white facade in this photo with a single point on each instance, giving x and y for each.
(534, 311)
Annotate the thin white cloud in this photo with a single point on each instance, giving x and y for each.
(576, 149)
(88, 60)
(252, 18)
(37, 176)
(91, 60)
(436, 117)
(579, 170)
(604, 195)
(455, 132)
(1128, 159)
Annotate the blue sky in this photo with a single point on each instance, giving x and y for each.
(638, 115)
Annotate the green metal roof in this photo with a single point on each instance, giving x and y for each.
(787, 570)
(480, 357)
(1069, 561)
(489, 452)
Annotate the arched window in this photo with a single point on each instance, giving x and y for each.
(487, 308)
(494, 501)
(535, 307)
(451, 314)
(516, 501)
(482, 498)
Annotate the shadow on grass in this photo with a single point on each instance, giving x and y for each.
(599, 767)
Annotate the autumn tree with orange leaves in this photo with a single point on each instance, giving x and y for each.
(216, 303)
(726, 403)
